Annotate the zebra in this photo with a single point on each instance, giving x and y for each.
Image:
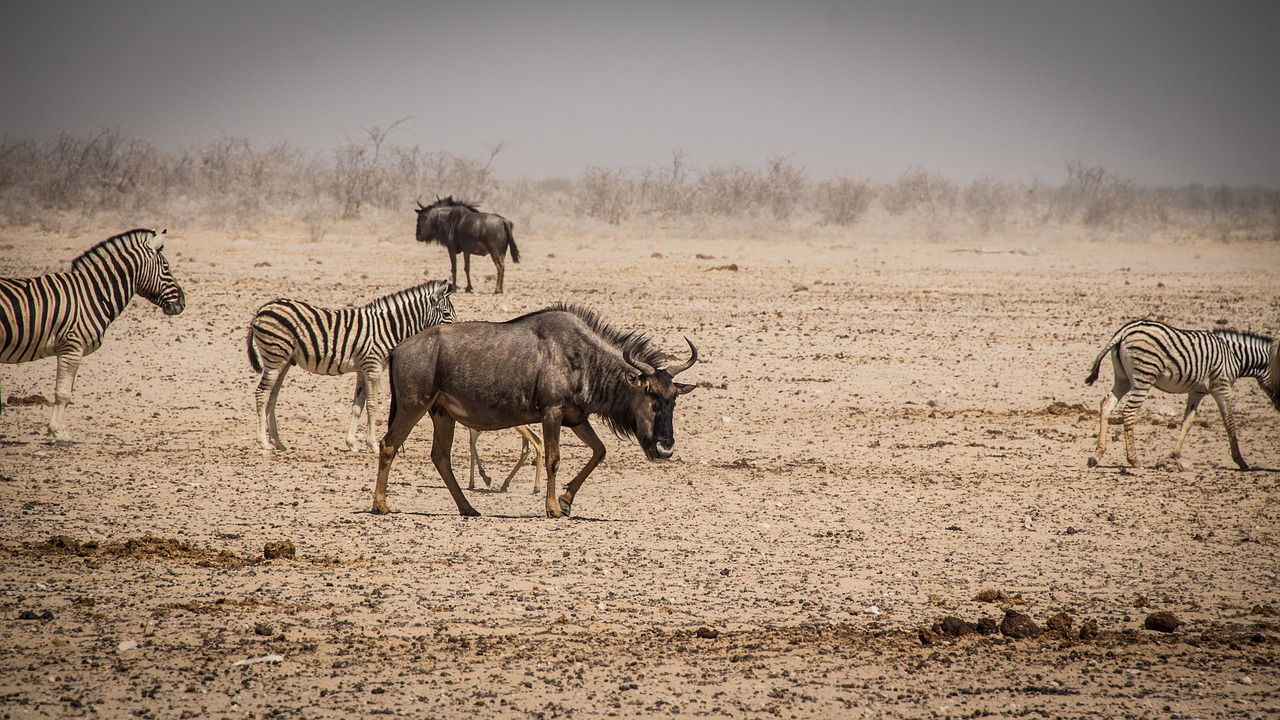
(1146, 353)
(332, 342)
(67, 313)
(528, 436)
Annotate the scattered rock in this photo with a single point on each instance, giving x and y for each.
(954, 626)
(46, 615)
(28, 615)
(731, 267)
(1018, 625)
(280, 549)
(657, 255)
(1089, 629)
(704, 256)
(264, 629)
(799, 287)
(928, 636)
(126, 645)
(988, 626)
(1162, 621)
(1060, 624)
(705, 632)
(17, 401)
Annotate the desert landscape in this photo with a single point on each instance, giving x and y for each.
(886, 451)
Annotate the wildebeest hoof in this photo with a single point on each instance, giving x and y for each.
(381, 509)
(1093, 461)
(1170, 464)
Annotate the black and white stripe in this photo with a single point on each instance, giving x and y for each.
(67, 313)
(332, 342)
(1147, 354)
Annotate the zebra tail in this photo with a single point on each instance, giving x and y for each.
(254, 360)
(511, 243)
(1097, 362)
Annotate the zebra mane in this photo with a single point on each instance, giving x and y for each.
(389, 301)
(638, 345)
(1243, 335)
(137, 235)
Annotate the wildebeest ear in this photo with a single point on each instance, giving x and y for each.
(635, 379)
(683, 388)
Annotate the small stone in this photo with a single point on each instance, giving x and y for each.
(280, 549)
(707, 633)
(1060, 624)
(1162, 621)
(28, 615)
(126, 645)
(1018, 625)
(954, 626)
(264, 629)
(988, 626)
(928, 636)
(1089, 629)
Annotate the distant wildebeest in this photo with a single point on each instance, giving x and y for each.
(528, 438)
(67, 313)
(1146, 354)
(557, 366)
(461, 228)
(287, 332)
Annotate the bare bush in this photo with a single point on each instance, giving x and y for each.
(988, 202)
(604, 193)
(929, 196)
(843, 200)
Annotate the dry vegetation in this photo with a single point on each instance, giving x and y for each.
(880, 505)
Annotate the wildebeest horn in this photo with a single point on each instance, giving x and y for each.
(693, 358)
(420, 205)
(643, 367)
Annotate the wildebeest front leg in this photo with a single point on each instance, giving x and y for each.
(551, 458)
(399, 424)
(586, 434)
(466, 265)
(441, 447)
(453, 268)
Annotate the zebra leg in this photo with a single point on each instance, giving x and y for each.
(1222, 395)
(1118, 390)
(475, 463)
(357, 406)
(1188, 417)
(270, 384)
(68, 365)
(1132, 405)
(524, 455)
(372, 387)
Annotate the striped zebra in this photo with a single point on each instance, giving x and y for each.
(67, 313)
(1147, 354)
(332, 342)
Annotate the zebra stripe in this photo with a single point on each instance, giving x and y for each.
(1147, 354)
(336, 341)
(67, 313)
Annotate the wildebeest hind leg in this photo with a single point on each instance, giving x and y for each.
(441, 446)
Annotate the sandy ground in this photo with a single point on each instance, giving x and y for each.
(887, 432)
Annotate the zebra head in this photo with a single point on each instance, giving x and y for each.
(155, 279)
(1270, 383)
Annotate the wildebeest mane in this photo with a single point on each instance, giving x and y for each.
(449, 201)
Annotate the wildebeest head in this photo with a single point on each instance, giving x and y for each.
(652, 402)
(437, 220)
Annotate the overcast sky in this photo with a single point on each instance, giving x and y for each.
(1161, 92)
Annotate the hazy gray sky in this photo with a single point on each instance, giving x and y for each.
(1162, 92)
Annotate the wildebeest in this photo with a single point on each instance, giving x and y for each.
(461, 228)
(556, 366)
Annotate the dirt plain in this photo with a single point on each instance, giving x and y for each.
(887, 432)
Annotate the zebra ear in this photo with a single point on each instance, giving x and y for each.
(159, 244)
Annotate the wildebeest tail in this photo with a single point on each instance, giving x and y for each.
(254, 360)
(511, 243)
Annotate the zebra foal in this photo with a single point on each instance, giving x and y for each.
(67, 313)
(1147, 354)
(335, 341)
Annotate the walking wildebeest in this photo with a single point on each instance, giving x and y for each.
(461, 228)
(555, 366)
